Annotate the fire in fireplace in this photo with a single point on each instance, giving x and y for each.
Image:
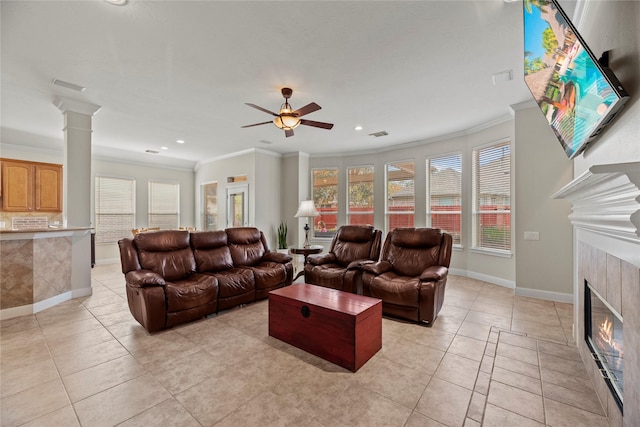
(603, 334)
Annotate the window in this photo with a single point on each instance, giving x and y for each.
(360, 195)
(210, 214)
(444, 195)
(492, 197)
(164, 205)
(325, 197)
(400, 201)
(115, 208)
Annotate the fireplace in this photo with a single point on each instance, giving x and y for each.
(603, 334)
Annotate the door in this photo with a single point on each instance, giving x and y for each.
(238, 206)
(210, 205)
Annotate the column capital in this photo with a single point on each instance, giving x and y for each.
(68, 104)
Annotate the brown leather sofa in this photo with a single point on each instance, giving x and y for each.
(411, 275)
(176, 276)
(340, 267)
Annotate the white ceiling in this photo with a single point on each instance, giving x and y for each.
(170, 70)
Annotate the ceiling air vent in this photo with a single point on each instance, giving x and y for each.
(152, 151)
(379, 134)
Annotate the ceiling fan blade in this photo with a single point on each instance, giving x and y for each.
(257, 124)
(309, 108)
(288, 132)
(316, 124)
(257, 107)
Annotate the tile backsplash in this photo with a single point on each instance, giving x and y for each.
(29, 223)
(8, 219)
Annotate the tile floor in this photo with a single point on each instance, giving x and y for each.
(490, 359)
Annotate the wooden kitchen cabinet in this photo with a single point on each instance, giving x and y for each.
(31, 186)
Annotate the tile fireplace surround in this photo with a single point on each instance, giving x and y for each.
(606, 220)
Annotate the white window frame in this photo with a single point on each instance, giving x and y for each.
(386, 193)
(349, 214)
(151, 212)
(476, 212)
(116, 234)
(204, 225)
(429, 212)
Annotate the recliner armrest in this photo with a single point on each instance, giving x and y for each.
(321, 258)
(277, 257)
(358, 264)
(378, 268)
(144, 278)
(434, 273)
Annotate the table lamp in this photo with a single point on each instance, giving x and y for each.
(307, 209)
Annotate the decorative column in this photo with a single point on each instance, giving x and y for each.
(77, 160)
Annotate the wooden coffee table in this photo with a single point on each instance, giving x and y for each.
(343, 328)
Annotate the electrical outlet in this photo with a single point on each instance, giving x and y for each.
(531, 235)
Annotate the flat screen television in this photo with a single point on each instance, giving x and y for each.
(578, 94)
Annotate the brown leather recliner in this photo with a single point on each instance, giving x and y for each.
(340, 267)
(411, 275)
(163, 288)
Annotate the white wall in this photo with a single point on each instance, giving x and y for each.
(543, 267)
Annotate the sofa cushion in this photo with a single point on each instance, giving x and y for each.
(413, 250)
(166, 253)
(246, 245)
(269, 274)
(211, 251)
(396, 289)
(194, 291)
(234, 281)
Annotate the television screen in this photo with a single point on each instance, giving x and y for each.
(577, 94)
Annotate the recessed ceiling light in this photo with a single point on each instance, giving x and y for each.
(164, 148)
(117, 2)
(502, 77)
(151, 151)
(68, 85)
(180, 141)
(358, 128)
(379, 133)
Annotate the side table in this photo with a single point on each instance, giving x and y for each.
(313, 249)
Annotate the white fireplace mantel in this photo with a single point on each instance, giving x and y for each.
(606, 200)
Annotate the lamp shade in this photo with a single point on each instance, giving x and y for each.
(307, 209)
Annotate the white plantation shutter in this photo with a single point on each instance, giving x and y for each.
(492, 196)
(400, 200)
(115, 208)
(444, 195)
(164, 205)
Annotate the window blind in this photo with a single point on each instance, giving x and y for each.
(360, 195)
(325, 198)
(164, 205)
(492, 196)
(400, 201)
(115, 208)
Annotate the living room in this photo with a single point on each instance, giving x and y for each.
(278, 181)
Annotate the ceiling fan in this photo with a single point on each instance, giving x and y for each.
(287, 119)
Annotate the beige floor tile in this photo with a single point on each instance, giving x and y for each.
(567, 366)
(476, 407)
(366, 408)
(487, 364)
(76, 361)
(445, 402)
(61, 330)
(215, 398)
(418, 420)
(561, 415)
(394, 381)
(517, 353)
(265, 409)
(468, 347)
(489, 319)
(434, 338)
(474, 330)
(118, 305)
(416, 356)
(587, 400)
(121, 402)
(15, 380)
(65, 417)
(492, 307)
(564, 351)
(514, 379)
(96, 379)
(539, 330)
(515, 400)
(76, 342)
(518, 340)
(128, 327)
(565, 380)
(482, 383)
(166, 414)
(449, 310)
(23, 355)
(18, 324)
(458, 370)
(495, 416)
(447, 323)
(523, 368)
(33, 403)
(548, 317)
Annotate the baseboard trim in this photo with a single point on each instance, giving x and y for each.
(547, 295)
(107, 261)
(484, 277)
(24, 310)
